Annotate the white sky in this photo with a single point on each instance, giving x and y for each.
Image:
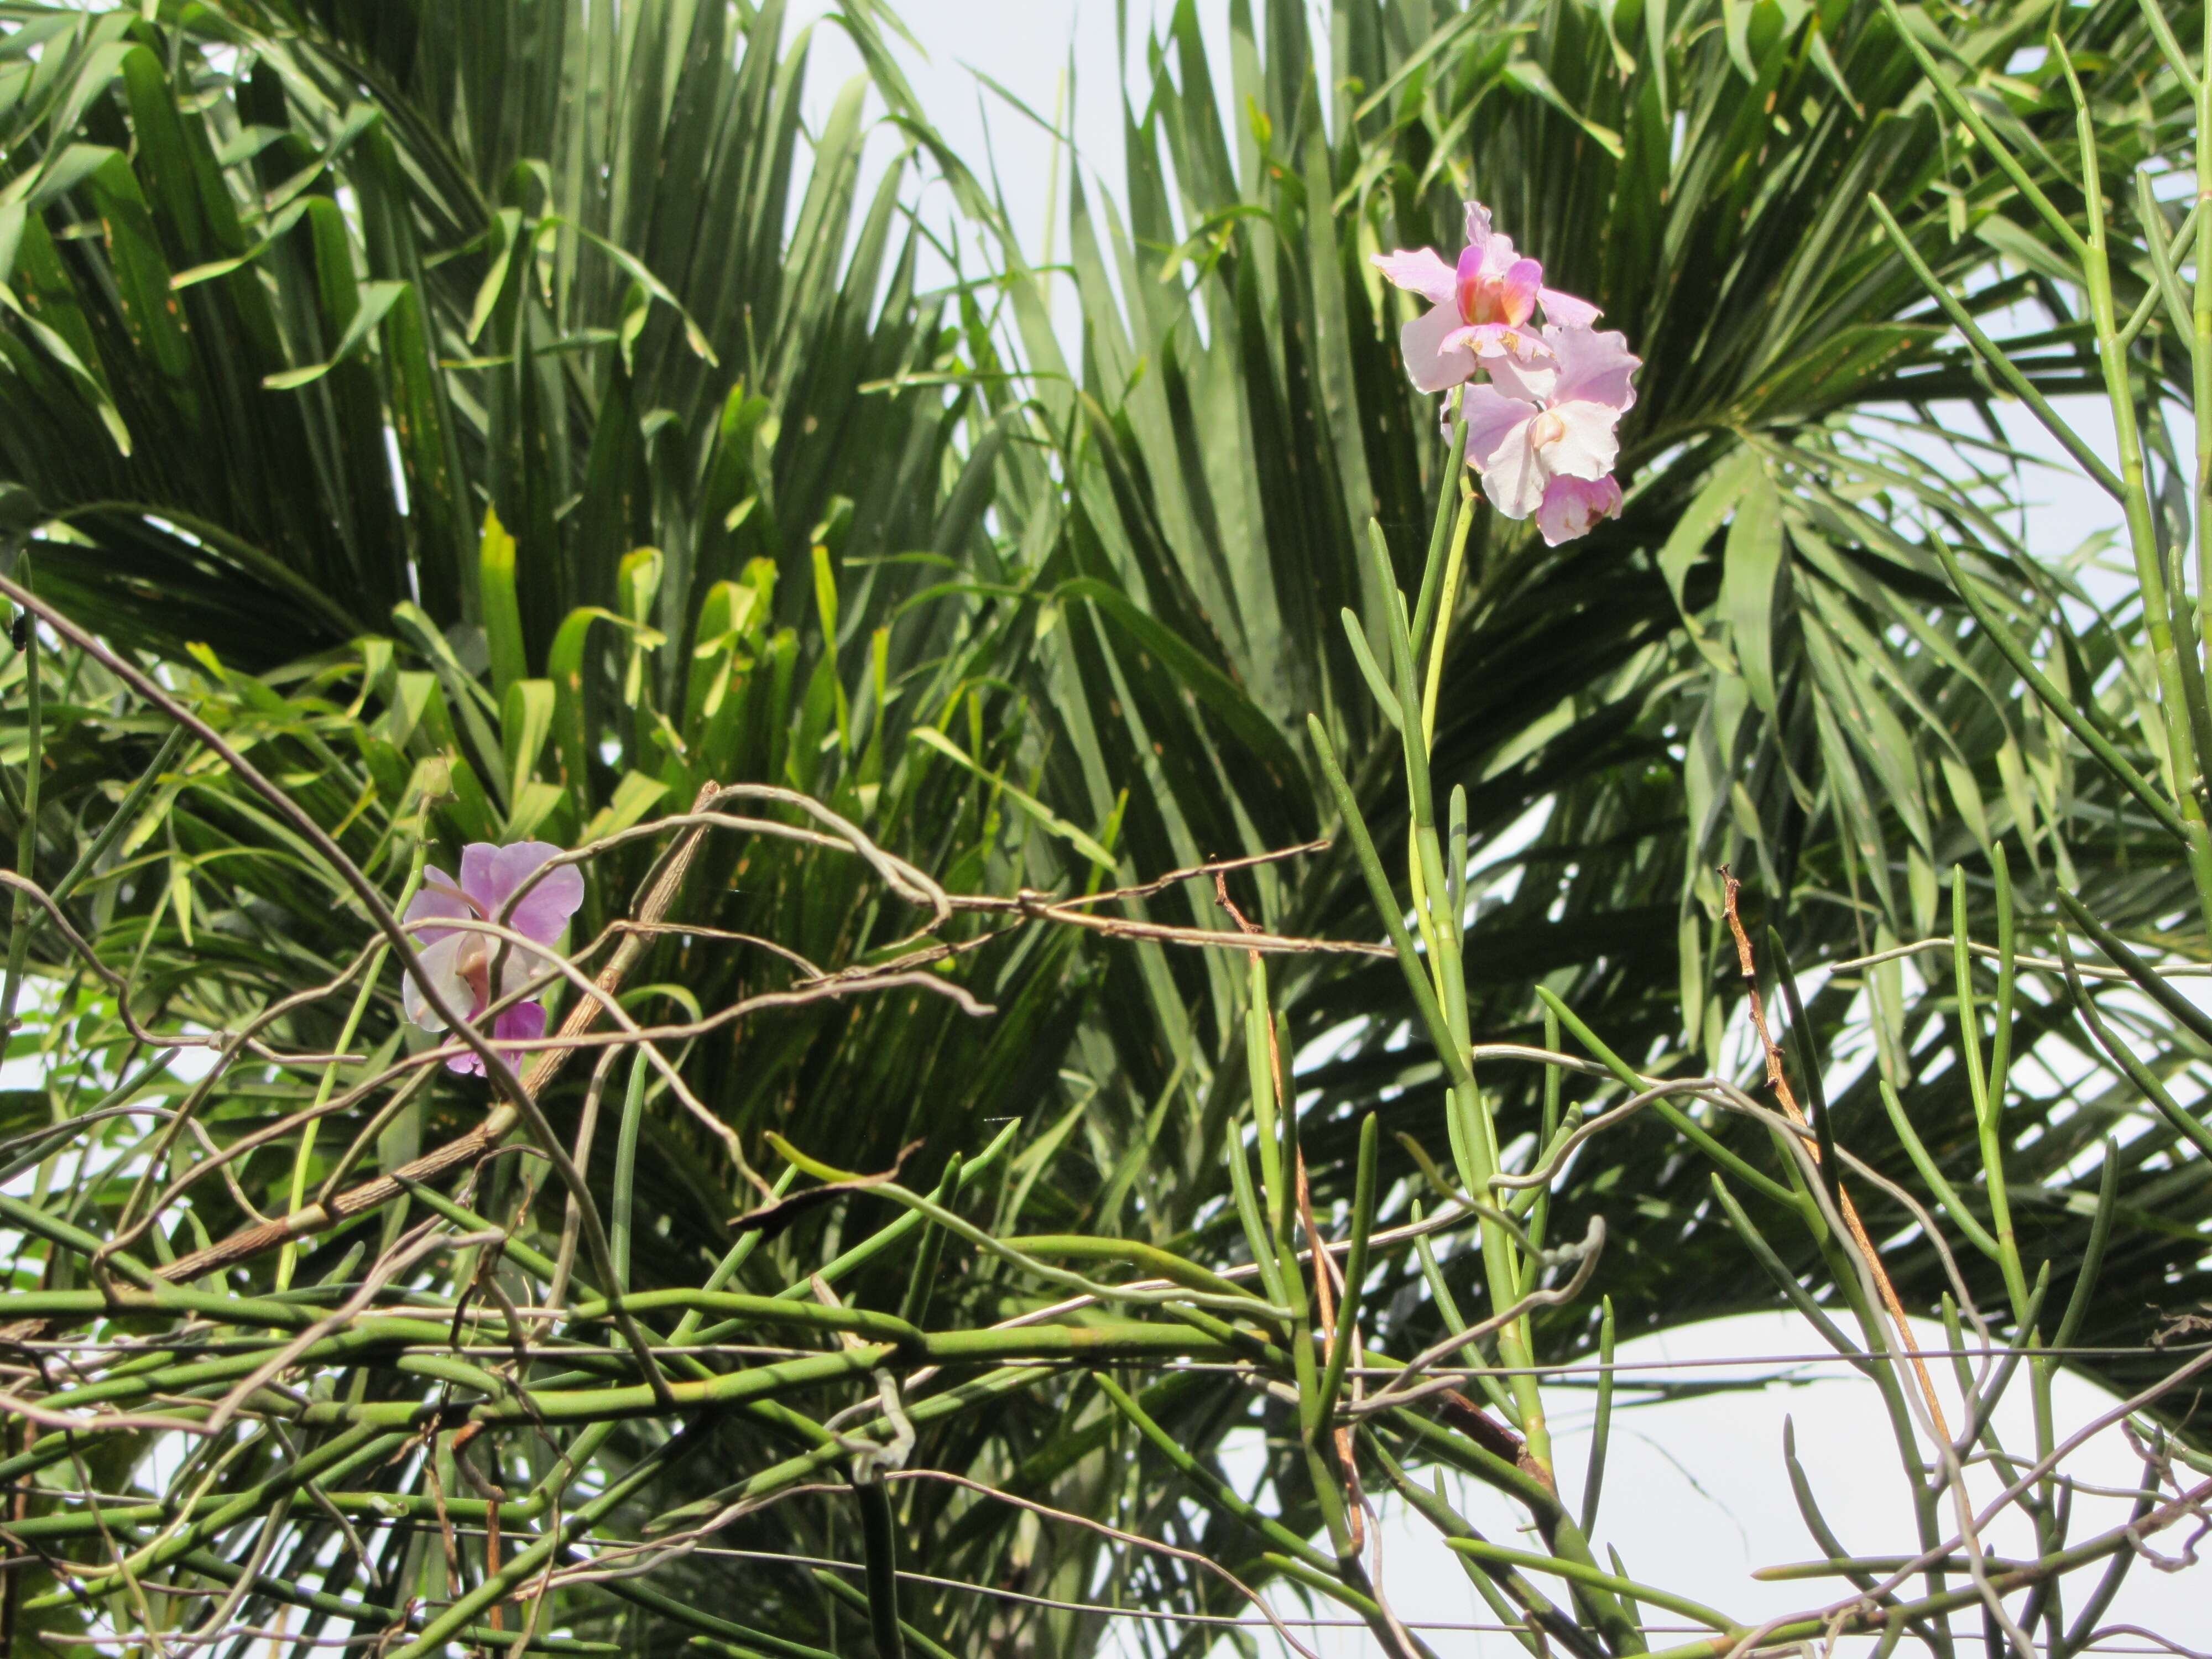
(1697, 1495)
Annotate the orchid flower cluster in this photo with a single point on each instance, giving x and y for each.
(1542, 428)
(459, 960)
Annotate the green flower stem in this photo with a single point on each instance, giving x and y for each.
(1601, 1430)
(1102, 1343)
(1455, 568)
(1947, 1195)
(1449, 493)
(1259, 1068)
(2152, 985)
(823, 1449)
(526, 1563)
(337, 1607)
(2200, 342)
(640, 1592)
(288, 1257)
(32, 1219)
(1216, 1492)
(1500, 1579)
(845, 1593)
(380, 1505)
(20, 905)
(879, 1553)
(1355, 1269)
(2194, 842)
(1241, 1302)
(2093, 1256)
(1470, 1355)
(741, 1252)
(1252, 1219)
(1313, 1427)
(1998, 362)
(769, 1311)
(1445, 1015)
(1150, 1258)
(1482, 1549)
(2182, 715)
(1895, 1614)
(1683, 1124)
(1948, 89)
(2140, 1075)
(361, 1338)
(1987, 1124)
(1386, 905)
(893, 1232)
(348, 1449)
(1552, 1521)
(1327, 1584)
(921, 1278)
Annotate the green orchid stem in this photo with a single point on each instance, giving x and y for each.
(1455, 568)
(2182, 715)
(27, 832)
(303, 1160)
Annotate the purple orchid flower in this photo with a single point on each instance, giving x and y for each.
(458, 962)
(1481, 307)
(1536, 424)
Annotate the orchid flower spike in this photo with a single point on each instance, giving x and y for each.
(1481, 307)
(458, 961)
(1536, 424)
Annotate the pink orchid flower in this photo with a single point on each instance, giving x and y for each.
(1535, 424)
(1572, 507)
(1482, 306)
(458, 962)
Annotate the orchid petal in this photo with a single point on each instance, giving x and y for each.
(1517, 288)
(1594, 368)
(524, 1023)
(436, 898)
(480, 875)
(490, 875)
(1499, 443)
(1477, 225)
(1491, 419)
(1419, 270)
(1531, 379)
(1429, 364)
(522, 965)
(1589, 440)
(1572, 507)
(1489, 340)
(1514, 481)
(545, 909)
(441, 967)
(1566, 310)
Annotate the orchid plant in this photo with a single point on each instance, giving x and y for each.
(1542, 428)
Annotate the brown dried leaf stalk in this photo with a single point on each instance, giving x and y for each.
(1778, 1078)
